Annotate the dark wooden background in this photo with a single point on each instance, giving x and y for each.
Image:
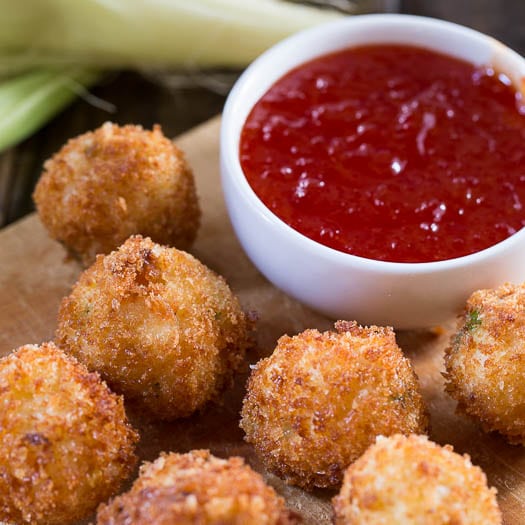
(180, 101)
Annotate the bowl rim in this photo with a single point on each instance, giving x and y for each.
(229, 143)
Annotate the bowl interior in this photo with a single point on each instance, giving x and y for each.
(444, 37)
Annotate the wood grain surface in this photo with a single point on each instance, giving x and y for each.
(34, 276)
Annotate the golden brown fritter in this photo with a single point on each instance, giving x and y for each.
(197, 488)
(106, 185)
(319, 401)
(485, 363)
(65, 443)
(159, 326)
(412, 481)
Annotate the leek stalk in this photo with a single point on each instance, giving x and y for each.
(52, 49)
(145, 33)
(29, 100)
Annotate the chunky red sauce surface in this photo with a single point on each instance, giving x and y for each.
(391, 152)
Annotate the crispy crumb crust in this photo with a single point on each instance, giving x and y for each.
(413, 481)
(159, 326)
(106, 185)
(65, 442)
(485, 362)
(197, 488)
(320, 400)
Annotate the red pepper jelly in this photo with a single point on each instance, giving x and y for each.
(391, 152)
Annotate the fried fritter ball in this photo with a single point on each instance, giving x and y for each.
(319, 401)
(197, 487)
(485, 364)
(412, 481)
(106, 185)
(65, 442)
(159, 326)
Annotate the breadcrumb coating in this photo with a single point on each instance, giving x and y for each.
(159, 326)
(65, 442)
(485, 363)
(106, 185)
(412, 481)
(197, 488)
(319, 401)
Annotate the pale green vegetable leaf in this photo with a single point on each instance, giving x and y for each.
(29, 100)
(146, 33)
(56, 47)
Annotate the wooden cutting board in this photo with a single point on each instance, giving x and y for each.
(34, 276)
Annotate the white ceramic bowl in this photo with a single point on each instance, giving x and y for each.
(404, 295)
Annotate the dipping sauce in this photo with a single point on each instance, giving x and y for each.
(389, 152)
